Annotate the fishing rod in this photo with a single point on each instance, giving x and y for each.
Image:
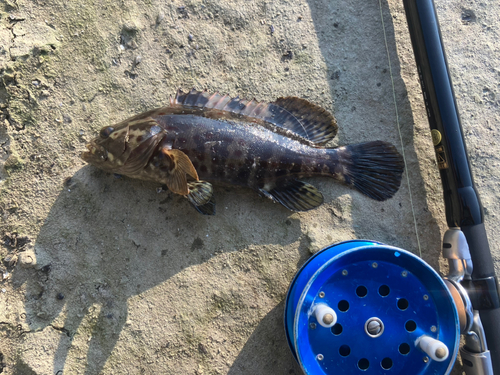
(462, 204)
(362, 305)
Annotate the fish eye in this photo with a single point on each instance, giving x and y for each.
(105, 132)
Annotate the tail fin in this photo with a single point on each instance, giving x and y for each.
(374, 168)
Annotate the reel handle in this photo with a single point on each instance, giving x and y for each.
(462, 204)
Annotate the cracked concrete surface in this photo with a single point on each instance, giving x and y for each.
(102, 275)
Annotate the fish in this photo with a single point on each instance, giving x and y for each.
(202, 137)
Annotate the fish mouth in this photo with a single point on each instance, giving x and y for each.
(94, 153)
(85, 155)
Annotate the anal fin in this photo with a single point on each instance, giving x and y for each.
(295, 195)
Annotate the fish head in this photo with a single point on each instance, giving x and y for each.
(107, 150)
(125, 147)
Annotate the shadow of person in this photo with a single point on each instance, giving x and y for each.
(266, 350)
(372, 101)
(353, 44)
(107, 239)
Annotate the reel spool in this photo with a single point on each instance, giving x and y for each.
(365, 307)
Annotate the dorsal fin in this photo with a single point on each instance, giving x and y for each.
(299, 116)
(320, 124)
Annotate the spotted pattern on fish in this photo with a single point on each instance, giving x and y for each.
(265, 146)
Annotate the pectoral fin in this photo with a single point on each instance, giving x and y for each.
(180, 166)
(295, 195)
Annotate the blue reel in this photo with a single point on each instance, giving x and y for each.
(365, 307)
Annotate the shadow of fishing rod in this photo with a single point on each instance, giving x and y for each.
(462, 204)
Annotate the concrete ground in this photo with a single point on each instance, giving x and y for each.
(106, 275)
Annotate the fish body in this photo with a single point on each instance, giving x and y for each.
(242, 154)
(268, 147)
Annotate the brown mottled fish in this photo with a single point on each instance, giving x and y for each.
(268, 147)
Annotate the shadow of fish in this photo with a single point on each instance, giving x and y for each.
(268, 147)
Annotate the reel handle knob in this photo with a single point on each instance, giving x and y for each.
(433, 348)
(325, 315)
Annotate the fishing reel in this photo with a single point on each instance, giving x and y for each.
(362, 306)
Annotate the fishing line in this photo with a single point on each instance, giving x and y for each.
(399, 129)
